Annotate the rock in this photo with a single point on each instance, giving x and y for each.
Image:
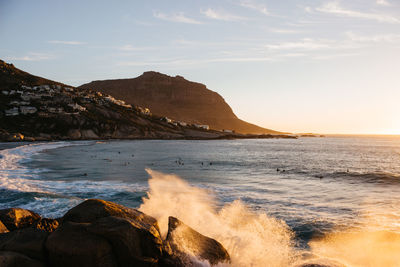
(3, 228)
(45, 224)
(72, 245)
(94, 209)
(89, 134)
(186, 242)
(13, 259)
(28, 241)
(134, 243)
(16, 218)
(74, 134)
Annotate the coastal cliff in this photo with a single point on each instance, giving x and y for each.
(179, 99)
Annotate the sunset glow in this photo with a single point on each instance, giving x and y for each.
(295, 66)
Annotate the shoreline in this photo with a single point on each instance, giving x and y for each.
(21, 138)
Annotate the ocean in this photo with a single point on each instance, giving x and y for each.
(269, 201)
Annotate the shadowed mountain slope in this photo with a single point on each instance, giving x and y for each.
(178, 99)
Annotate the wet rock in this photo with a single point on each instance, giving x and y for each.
(135, 243)
(16, 218)
(94, 209)
(72, 245)
(3, 228)
(13, 259)
(28, 241)
(186, 243)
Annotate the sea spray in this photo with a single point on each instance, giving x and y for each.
(368, 244)
(252, 239)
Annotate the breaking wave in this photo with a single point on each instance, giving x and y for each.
(252, 239)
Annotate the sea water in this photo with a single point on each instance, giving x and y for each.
(267, 201)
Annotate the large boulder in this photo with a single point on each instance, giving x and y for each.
(16, 218)
(13, 259)
(93, 209)
(135, 243)
(187, 244)
(3, 228)
(72, 245)
(28, 241)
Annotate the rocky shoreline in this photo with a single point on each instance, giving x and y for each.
(102, 233)
(89, 135)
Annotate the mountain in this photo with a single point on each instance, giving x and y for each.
(34, 108)
(11, 77)
(178, 99)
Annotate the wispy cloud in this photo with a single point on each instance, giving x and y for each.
(129, 47)
(31, 57)
(335, 55)
(176, 17)
(221, 15)
(255, 6)
(383, 2)
(381, 38)
(283, 31)
(304, 44)
(66, 42)
(336, 9)
(186, 62)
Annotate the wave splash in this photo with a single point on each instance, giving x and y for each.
(251, 239)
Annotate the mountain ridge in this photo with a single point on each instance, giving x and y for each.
(177, 98)
(33, 108)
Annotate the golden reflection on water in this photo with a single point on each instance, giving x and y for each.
(366, 245)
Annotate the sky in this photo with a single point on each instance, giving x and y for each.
(324, 66)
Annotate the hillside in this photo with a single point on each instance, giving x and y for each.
(178, 99)
(34, 108)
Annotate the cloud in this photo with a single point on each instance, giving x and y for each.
(31, 57)
(186, 62)
(383, 2)
(135, 48)
(283, 31)
(381, 38)
(177, 17)
(255, 6)
(334, 56)
(66, 42)
(335, 9)
(304, 44)
(221, 15)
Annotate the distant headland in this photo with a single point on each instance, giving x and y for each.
(38, 109)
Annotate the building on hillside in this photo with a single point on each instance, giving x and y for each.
(27, 110)
(144, 111)
(166, 120)
(76, 106)
(202, 126)
(12, 112)
(55, 109)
